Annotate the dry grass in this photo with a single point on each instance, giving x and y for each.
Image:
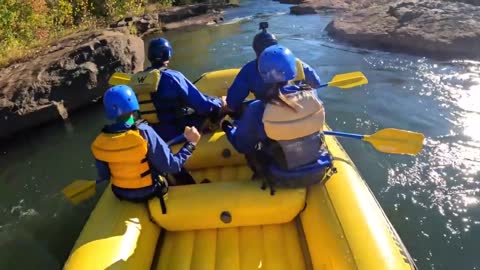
(18, 53)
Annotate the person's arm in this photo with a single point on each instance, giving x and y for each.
(161, 157)
(249, 130)
(311, 77)
(201, 103)
(239, 90)
(103, 171)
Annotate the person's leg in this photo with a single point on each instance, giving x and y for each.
(183, 178)
(254, 164)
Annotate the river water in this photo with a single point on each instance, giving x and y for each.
(431, 199)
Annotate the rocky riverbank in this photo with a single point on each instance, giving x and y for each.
(438, 29)
(74, 71)
(173, 18)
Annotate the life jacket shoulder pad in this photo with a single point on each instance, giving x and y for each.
(281, 123)
(145, 82)
(120, 147)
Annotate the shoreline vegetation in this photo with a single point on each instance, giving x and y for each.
(30, 26)
(56, 56)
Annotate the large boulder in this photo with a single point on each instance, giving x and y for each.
(173, 18)
(176, 14)
(439, 29)
(331, 6)
(68, 75)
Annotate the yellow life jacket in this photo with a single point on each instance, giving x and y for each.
(281, 123)
(144, 84)
(125, 153)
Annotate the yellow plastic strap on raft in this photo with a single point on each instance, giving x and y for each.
(281, 123)
(143, 84)
(226, 204)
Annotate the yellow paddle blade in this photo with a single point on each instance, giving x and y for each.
(348, 80)
(119, 78)
(396, 141)
(79, 190)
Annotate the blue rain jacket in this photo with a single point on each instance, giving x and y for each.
(249, 80)
(174, 92)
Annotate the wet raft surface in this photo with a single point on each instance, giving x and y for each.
(251, 247)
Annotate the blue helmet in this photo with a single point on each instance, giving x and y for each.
(277, 64)
(159, 50)
(119, 100)
(263, 39)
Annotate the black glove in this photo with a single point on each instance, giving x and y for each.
(226, 125)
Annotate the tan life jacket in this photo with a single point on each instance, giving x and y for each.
(125, 153)
(144, 84)
(281, 123)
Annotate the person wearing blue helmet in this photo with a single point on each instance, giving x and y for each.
(131, 155)
(167, 97)
(281, 134)
(249, 80)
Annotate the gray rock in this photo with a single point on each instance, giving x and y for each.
(177, 14)
(294, 2)
(439, 29)
(63, 78)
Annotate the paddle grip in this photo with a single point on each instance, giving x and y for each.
(344, 134)
(180, 138)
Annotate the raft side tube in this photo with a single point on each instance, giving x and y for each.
(117, 235)
(226, 204)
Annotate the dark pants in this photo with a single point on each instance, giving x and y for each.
(138, 194)
(183, 178)
(258, 162)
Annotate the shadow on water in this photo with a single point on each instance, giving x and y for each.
(432, 199)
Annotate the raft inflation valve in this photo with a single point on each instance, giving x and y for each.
(226, 217)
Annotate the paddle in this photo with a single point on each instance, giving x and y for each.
(389, 140)
(343, 81)
(80, 190)
(347, 80)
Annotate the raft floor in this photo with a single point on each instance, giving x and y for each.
(274, 247)
(270, 247)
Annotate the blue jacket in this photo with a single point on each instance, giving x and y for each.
(249, 80)
(159, 156)
(174, 92)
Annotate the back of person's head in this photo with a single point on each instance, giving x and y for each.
(277, 66)
(263, 40)
(159, 51)
(118, 101)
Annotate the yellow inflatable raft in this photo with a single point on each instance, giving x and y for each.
(228, 222)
